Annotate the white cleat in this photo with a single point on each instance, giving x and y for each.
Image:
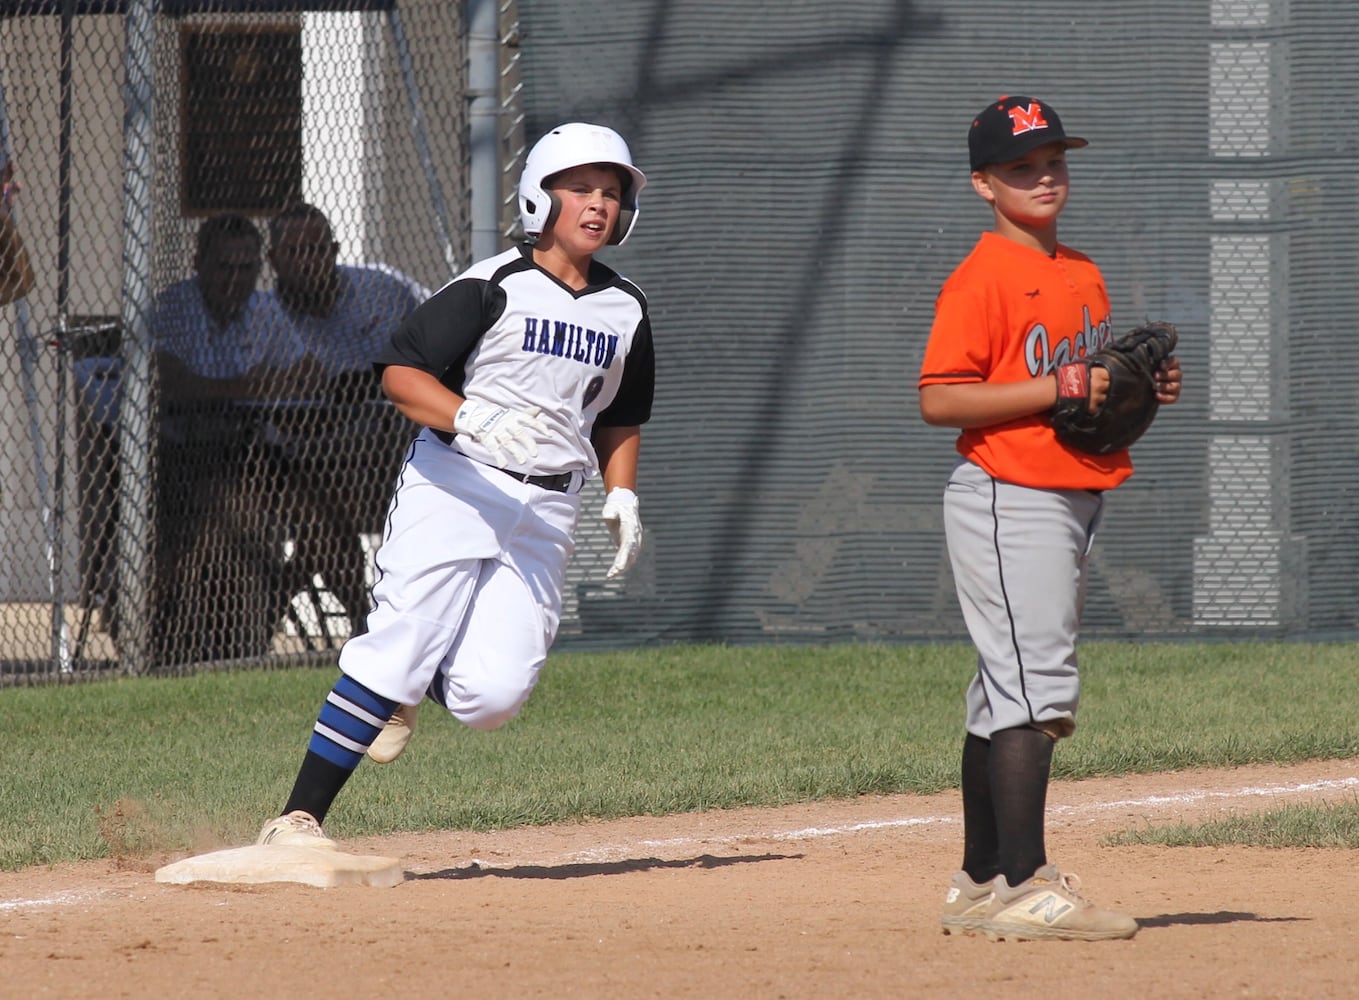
(295, 829)
(392, 741)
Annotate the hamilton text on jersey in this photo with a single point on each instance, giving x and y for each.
(567, 340)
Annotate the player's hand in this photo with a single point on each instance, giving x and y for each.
(1082, 382)
(1099, 387)
(1168, 379)
(624, 522)
(9, 187)
(511, 436)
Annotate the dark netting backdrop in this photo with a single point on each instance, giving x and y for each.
(225, 205)
(809, 195)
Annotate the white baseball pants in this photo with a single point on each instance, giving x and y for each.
(468, 595)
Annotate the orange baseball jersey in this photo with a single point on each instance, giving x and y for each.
(1010, 312)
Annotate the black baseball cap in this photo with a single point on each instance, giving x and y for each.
(1010, 126)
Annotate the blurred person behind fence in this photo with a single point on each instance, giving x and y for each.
(211, 339)
(16, 270)
(338, 427)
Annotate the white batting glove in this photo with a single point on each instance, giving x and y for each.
(625, 528)
(511, 436)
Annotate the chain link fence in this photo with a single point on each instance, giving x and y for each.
(228, 207)
(808, 195)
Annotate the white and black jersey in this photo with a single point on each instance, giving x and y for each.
(507, 332)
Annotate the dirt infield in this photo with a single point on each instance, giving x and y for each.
(832, 899)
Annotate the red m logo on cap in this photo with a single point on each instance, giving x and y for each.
(1027, 119)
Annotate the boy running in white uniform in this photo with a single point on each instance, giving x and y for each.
(530, 373)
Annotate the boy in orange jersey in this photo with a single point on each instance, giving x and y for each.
(1020, 514)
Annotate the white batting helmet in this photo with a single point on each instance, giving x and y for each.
(574, 144)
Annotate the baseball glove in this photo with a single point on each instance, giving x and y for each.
(1130, 407)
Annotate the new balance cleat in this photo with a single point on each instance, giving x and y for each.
(966, 903)
(1049, 905)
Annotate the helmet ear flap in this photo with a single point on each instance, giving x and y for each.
(622, 227)
(529, 208)
(554, 210)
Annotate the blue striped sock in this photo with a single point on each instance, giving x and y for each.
(349, 721)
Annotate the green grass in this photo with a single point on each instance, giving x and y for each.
(126, 766)
(1290, 826)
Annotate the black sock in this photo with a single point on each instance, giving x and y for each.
(1020, 765)
(350, 719)
(318, 783)
(980, 846)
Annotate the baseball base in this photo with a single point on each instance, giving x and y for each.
(256, 864)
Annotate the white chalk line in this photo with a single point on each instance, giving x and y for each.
(611, 853)
(1188, 798)
(806, 833)
(615, 852)
(60, 899)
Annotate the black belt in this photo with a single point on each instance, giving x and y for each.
(560, 483)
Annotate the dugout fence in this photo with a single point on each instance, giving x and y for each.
(153, 527)
(808, 195)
